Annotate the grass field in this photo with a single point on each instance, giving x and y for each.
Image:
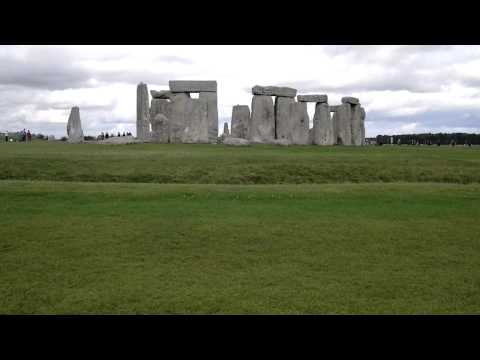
(88, 229)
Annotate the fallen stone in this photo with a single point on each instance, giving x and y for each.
(274, 91)
(74, 126)
(162, 94)
(143, 124)
(234, 141)
(189, 86)
(323, 126)
(262, 122)
(240, 120)
(350, 100)
(313, 98)
(210, 99)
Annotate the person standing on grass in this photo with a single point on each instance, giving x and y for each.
(29, 136)
(6, 136)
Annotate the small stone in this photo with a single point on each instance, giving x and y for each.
(274, 91)
(313, 98)
(233, 141)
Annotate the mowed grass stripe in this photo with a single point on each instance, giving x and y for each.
(218, 164)
(154, 248)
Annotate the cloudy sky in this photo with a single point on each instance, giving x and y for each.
(404, 89)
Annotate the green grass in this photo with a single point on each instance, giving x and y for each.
(152, 248)
(218, 164)
(151, 228)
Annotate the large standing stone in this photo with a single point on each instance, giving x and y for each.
(362, 117)
(356, 124)
(323, 126)
(210, 98)
(159, 119)
(274, 91)
(312, 98)
(343, 127)
(262, 122)
(284, 124)
(74, 126)
(299, 117)
(143, 124)
(240, 120)
(192, 86)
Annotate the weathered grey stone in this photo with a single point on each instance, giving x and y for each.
(313, 98)
(299, 117)
(74, 126)
(362, 118)
(162, 94)
(274, 91)
(192, 86)
(291, 121)
(323, 126)
(284, 124)
(143, 124)
(333, 108)
(225, 129)
(310, 136)
(160, 128)
(343, 119)
(240, 120)
(190, 120)
(279, 142)
(261, 127)
(350, 100)
(234, 141)
(210, 99)
(51, 137)
(356, 125)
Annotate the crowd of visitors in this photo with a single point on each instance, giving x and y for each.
(105, 135)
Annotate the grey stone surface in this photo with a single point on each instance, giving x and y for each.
(284, 124)
(313, 98)
(323, 126)
(310, 136)
(143, 124)
(119, 140)
(261, 127)
(51, 137)
(74, 126)
(362, 118)
(162, 94)
(274, 91)
(343, 119)
(234, 141)
(350, 100)
(210, 98)
(333, 108)
(279, 142)
(226, 132)
(299, 117)
(160, 128)
(192, 86)
(356, 125)
(240, 120)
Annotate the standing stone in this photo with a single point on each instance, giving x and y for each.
(74, 126)
(262, 122)
(362, 124)
(240, 120)
(343, 128)
(196, 122)
(225, 129)
(159, 119)
(210, 98)
(284, 124)
(300, 119)
(143, 125)
(323, 126)
(356, 125)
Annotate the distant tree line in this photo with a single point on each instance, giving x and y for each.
(430, 139)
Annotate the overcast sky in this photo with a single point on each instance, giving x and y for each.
(403, 89)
